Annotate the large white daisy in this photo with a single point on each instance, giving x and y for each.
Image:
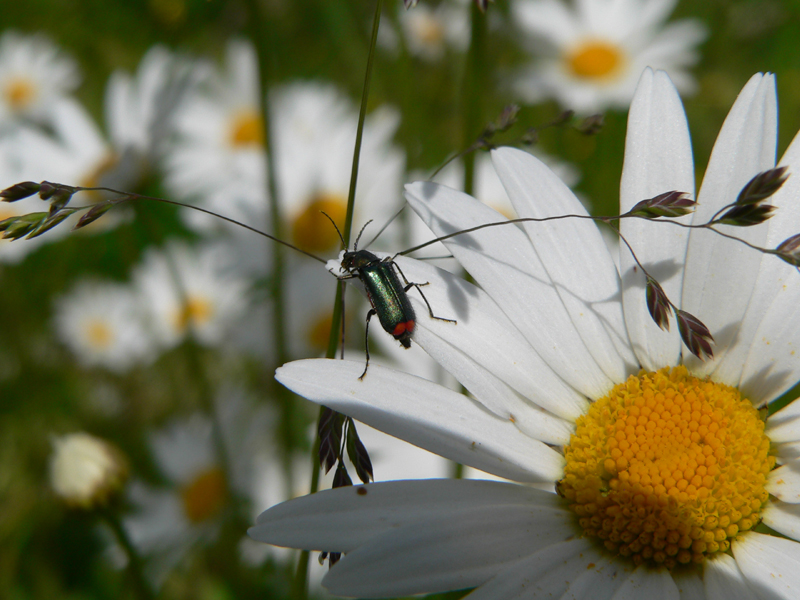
(662, 462)
(589, 57)
(488, 188)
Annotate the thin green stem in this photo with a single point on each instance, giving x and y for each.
(362, 115)
(135, 569)
(473, 92)
(301, 584)
(262, 35)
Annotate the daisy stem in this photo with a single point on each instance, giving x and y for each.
(472, 94)
(141, 588)
(192, 354)
(261, 35)
(362, 115)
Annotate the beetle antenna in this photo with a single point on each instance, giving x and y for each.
(389, 222)
(355, 246)
(335, 227)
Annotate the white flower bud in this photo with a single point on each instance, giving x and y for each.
(86, 471)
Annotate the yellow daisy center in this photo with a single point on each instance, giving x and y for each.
(312, 231)
(94, 178)
(247, 129)
(595, 60)
(429, 31)
(20, 93)
(99, 334)
(204, 497)
(667, 468)
(195, 311)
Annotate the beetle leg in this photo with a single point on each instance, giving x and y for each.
(409, 285)
(428, 304)
(366, 340)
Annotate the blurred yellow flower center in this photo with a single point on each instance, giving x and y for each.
(5, 213)
(429, 31)
(320, 332)
(312, 231)
(20, 93)
(595, 60)
(247, 129)
(204, 497)
(195, 311)
(667, 468)
(99, 334)
(170, 12)
(94, 178)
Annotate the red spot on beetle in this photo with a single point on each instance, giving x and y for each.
(403, 328)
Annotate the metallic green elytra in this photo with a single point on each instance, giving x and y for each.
(386, 294)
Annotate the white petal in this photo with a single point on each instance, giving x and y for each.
(502, 260)
(784, 482)
(783, 518)
(486, 336)
(658, 159)
(574, 255)
(545, 574)
(724, 580)
(493, 394)
(649, 583)
(424, 414)
(342, 519)
(771, 330)
(462, 550)
(787, 452)
(784, 425)
(599, 582)
(771, 564)
(690, 586)
(720, 273)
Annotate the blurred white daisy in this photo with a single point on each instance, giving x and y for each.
(428, 31)
(218, 153)
(314, 139)
(102, 324)
(14, 168)
(219, 159)
(139, 108)
(662, 462)
(34, 73)
(190, 291)
(138, 115)
(590, 55)
(169, 521)
(76, 153)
